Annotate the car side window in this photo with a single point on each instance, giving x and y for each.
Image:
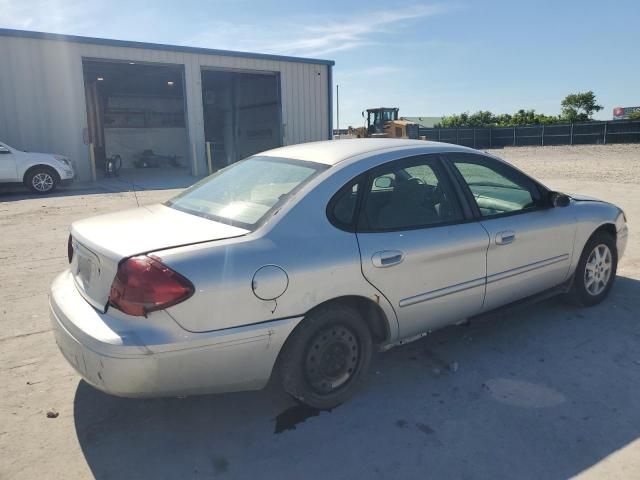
(408, 194)
(342, 207)
(496, 188)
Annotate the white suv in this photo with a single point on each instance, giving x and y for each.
(41, 172)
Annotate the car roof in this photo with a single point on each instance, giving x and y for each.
(331, 152)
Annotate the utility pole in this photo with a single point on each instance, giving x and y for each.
(338, 108)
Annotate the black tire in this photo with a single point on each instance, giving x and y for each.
(42, 180)
(584, 294)
(344, 348)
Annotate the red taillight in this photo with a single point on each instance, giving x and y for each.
(70, 249)
(143, 284)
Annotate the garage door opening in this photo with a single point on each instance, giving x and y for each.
(242, 114)
(136, 112)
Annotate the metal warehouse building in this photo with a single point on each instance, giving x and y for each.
(161, 106)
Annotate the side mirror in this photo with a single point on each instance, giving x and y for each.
(362, 113)
(383, 182)
(558, 199)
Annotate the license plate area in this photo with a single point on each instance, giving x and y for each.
(85, 267)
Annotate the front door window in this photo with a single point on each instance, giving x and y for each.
(496, 188)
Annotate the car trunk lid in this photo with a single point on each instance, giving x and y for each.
(101, 243)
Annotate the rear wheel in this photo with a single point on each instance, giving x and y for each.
(596, 270)
(326, 357)
(41, 180)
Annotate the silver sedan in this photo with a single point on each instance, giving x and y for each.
(299, 262)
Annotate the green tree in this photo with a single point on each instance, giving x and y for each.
(579, 107)
(576, 107)
(488, 119)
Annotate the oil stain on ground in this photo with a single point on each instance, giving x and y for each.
(291, 417)
(424, 428)
(220, 465)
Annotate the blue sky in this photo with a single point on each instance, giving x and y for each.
(426, 58)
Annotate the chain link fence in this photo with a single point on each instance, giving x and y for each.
(588, 133)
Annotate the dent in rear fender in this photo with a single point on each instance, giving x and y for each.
(235, 359)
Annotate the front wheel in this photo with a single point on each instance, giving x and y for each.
(596, 270)
(42, 180)
(326, 357)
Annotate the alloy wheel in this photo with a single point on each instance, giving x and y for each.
(597, 270)
(42, 181)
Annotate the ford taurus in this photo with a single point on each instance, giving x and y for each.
(300, 262)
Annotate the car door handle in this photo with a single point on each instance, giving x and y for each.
(387, 258)
(505, 238)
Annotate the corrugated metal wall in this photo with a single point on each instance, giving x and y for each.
(42, 97)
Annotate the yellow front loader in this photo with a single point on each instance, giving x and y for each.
(383, 123)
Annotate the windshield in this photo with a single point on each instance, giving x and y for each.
(244, 193)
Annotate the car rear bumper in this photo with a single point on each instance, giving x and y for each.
(151, 357)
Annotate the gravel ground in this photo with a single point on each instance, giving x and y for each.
(546, 392)
(607, 163)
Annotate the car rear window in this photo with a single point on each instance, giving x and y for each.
(247, 192)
